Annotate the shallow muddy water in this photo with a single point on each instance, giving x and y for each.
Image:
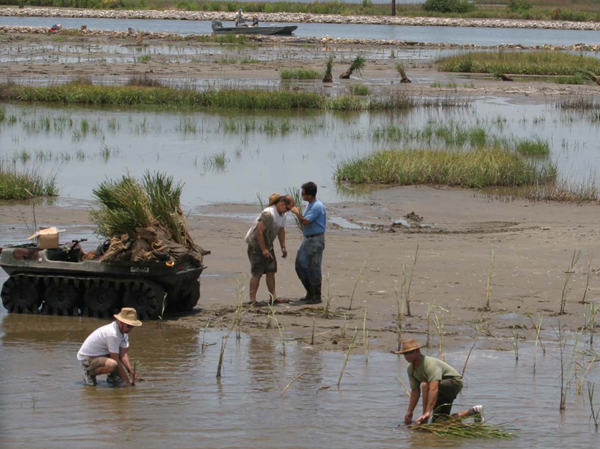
(235, 156)
(44, 402)
(427, 34)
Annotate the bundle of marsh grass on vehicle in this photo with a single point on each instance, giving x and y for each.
(144, 220)
(461, 429)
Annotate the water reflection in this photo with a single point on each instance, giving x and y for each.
(181, 403)
(231, 156)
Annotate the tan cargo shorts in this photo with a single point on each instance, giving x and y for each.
(92, 363)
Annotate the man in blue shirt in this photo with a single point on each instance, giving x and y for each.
(310, 253)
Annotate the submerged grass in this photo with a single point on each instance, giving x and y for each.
(24, 184)
(78, 93)
(529, 63)
(477, 168)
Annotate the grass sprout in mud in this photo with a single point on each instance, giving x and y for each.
(477, 168)
(26, 183)
(525, 63)
(78, 93)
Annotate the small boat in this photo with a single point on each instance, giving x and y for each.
(218, 28)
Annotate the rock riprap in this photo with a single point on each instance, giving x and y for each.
(299, 18)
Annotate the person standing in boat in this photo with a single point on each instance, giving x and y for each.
(239, 19)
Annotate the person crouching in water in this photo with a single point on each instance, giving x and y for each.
(106, 350)
(269, 225)
(440, 384)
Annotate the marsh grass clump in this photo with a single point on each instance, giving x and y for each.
(228, 98)
(533, 147)
(128, 204)
(25, 184)
(359, 89)
(462, 429)
(541, 62)
(299, 74)
(143, 81)
(477, 168)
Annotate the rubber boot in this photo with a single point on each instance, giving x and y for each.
(308, 288)
(316, 295)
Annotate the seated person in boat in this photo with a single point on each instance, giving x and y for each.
(255, 20)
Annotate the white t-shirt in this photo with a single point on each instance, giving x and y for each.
(277, 222)
(102, 341)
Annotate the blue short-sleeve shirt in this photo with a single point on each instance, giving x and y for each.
(315, 213)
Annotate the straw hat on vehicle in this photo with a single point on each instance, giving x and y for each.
(128, 315)
(408, 346)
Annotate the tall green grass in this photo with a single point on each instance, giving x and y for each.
(128, 204)
(519, 62)
(299, 74)
(477, 168)
(456, 136)
(75, 93)
(24, 184)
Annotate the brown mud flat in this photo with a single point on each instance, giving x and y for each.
(533, 244)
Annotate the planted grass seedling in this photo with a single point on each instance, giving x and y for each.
(400, 319)
(410, 278)
(488, 290)
(568, 274)
(366, 337)
(235, 321)
(537, 325)
(594, 415)
(590, 315)
(298, 377)
(588, 274)
(360, 273)
(350, 348)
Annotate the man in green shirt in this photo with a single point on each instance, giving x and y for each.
(440, 384)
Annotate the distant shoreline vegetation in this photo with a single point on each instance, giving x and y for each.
(557, 10)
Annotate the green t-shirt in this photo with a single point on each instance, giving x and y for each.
(430, 369)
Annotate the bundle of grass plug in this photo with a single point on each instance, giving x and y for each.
(143, 219)
(462, 429)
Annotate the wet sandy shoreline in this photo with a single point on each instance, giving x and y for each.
(533, 244)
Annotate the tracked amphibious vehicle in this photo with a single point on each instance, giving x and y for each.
(66, 281)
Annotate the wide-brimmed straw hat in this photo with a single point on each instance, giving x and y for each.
(128, 315)
(274, 198)
(409, 345)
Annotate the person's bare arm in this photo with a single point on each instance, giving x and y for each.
(121, 370)
(294, 210)
(433, 396)
(281, 237)
(414, 400)
(260, 235)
